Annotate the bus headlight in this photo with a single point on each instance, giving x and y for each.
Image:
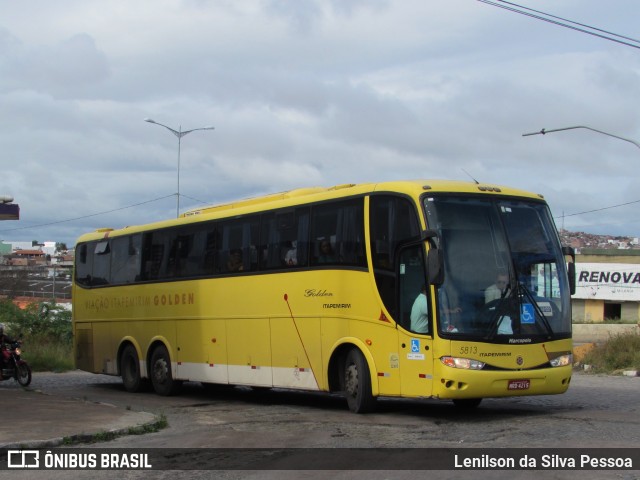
(466, 363)
(562, 360)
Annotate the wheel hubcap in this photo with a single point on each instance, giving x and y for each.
(160, 371)
(351, 380)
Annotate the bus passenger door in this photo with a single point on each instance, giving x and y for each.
(415, 348)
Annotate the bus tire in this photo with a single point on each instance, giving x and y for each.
(466, 403)
(161, 377)
(130, 370)
(357, 383)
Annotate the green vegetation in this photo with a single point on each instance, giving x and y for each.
(46, 332)
(620, 352)
(606, 321)
(159, 423)
(617, 321)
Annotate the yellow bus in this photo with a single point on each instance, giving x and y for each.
(421, 289)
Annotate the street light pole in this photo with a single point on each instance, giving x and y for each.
(178, 133)
(544, 132)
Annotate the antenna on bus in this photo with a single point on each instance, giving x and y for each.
(477, 182)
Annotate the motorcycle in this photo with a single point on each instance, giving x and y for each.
(14, 367)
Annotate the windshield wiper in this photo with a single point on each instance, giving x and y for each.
(509, 305)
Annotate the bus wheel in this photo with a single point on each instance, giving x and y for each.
(130, 370)
(161, 378)
(357, 383)
(467, 403)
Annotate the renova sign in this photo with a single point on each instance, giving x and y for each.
(608, 281)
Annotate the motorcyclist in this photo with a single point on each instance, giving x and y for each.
(4, 339)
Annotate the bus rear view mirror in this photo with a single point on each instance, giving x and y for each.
(571, 268)
(435, 259)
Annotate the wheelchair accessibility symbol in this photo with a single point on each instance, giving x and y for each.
(527, 314)
(415, 350)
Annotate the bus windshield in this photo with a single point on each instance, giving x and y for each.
(505, 278)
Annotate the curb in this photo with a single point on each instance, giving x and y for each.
(82, 421)
(157, 423)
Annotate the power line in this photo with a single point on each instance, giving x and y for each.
(599, 209)
(87, 216)
(195, 199)
(571, 21)
(561, 22)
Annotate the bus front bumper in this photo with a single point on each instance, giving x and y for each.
(457, 383)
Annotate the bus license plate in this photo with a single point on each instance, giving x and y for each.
(519, 385)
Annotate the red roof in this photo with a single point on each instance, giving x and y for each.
(29, 252)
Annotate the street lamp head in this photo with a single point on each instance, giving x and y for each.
(178, 133)
(544, 131)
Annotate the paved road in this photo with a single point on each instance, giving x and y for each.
(597, 411)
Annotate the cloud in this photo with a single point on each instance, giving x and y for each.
(316, 92)
(62, 70)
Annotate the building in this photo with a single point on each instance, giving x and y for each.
(607, 285)
(28, 258)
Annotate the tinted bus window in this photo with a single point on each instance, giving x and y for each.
(125, 259)
(284, 239)
(393, 220)
(101, 263)
(239, 245)
(337, 236)
(84, 264)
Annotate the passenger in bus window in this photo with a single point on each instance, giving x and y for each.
(497, 290)
(326, 252)
(234, 264)
(420, 312)
(291, 257)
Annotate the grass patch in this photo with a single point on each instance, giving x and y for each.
(607, 321)
(620, 352)
(159, 424)
(46, 356)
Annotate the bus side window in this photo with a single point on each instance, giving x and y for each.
(211, 263)
(181, 246)
(153, 255)
(284, 239)
(238, 244)
(101, 263)
(84, 264)
(338, 233)
(193, 261)
(392, 219)
(412, 277)
(125, 259)
(269, 250)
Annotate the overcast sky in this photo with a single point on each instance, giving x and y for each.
(309, 93)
